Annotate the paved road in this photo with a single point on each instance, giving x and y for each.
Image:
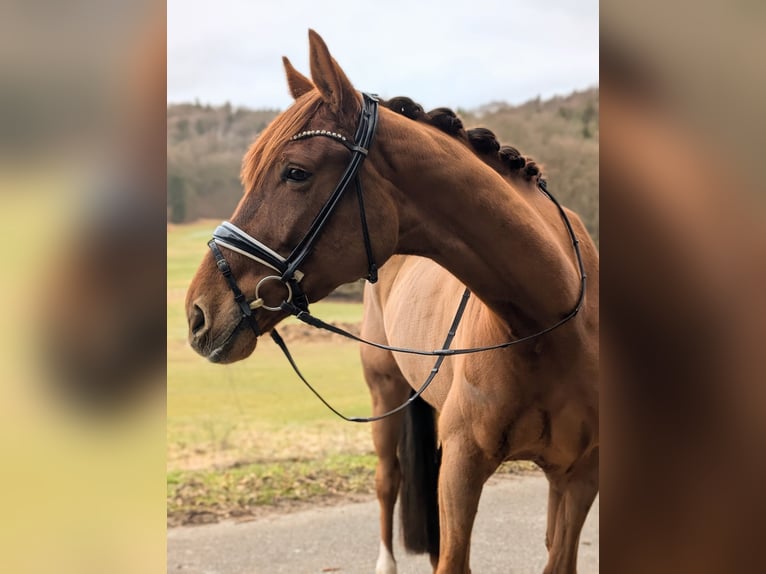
(508, 538)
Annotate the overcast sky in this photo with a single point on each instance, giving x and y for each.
(440, 53)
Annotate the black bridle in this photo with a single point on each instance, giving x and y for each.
(295, 303)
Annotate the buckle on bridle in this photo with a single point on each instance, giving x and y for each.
(223, 266)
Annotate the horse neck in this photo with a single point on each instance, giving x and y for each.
(459, 212)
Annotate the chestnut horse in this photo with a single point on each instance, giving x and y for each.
(476, 221)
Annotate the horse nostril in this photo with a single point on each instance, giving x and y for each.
(197, 320)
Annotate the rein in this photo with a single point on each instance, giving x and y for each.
(295, 303)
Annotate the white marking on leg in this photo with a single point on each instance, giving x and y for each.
(386, 563)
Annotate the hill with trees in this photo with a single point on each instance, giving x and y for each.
(206, 145)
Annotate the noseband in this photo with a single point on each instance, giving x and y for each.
(295, 303)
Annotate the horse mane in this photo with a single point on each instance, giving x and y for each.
(504, 159)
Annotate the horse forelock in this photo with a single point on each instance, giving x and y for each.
(267, 148)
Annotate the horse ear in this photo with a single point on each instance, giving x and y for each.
(297, 82)
(332, 83)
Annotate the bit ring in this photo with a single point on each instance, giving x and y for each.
(273, 277)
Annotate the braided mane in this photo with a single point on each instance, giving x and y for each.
(504, 159)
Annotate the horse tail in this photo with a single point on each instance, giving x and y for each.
(419, 461)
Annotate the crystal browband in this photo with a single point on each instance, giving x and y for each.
(311, 133)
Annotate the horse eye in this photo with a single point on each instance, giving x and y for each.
(296, 174)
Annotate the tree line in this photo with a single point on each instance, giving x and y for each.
(206, 144)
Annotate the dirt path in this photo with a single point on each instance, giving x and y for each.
(508, 537)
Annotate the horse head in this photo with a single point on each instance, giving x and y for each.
(289, 175)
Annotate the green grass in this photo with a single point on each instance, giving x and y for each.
(255, 416)
(202, 496)
(262, 388)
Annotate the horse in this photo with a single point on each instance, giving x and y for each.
(439, 210)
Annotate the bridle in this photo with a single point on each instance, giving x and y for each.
(295, 303)
(230, 236)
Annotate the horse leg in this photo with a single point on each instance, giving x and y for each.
(554, 498)
(463, 473)
(580, 487)
(388, 390)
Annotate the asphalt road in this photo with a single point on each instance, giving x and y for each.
(508, 538)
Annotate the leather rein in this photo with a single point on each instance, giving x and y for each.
(295, 303)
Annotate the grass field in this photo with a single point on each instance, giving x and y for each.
(236, 424)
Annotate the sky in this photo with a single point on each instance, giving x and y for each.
(439, 53)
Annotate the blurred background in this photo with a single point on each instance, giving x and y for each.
(683, 399)
(82, 285)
